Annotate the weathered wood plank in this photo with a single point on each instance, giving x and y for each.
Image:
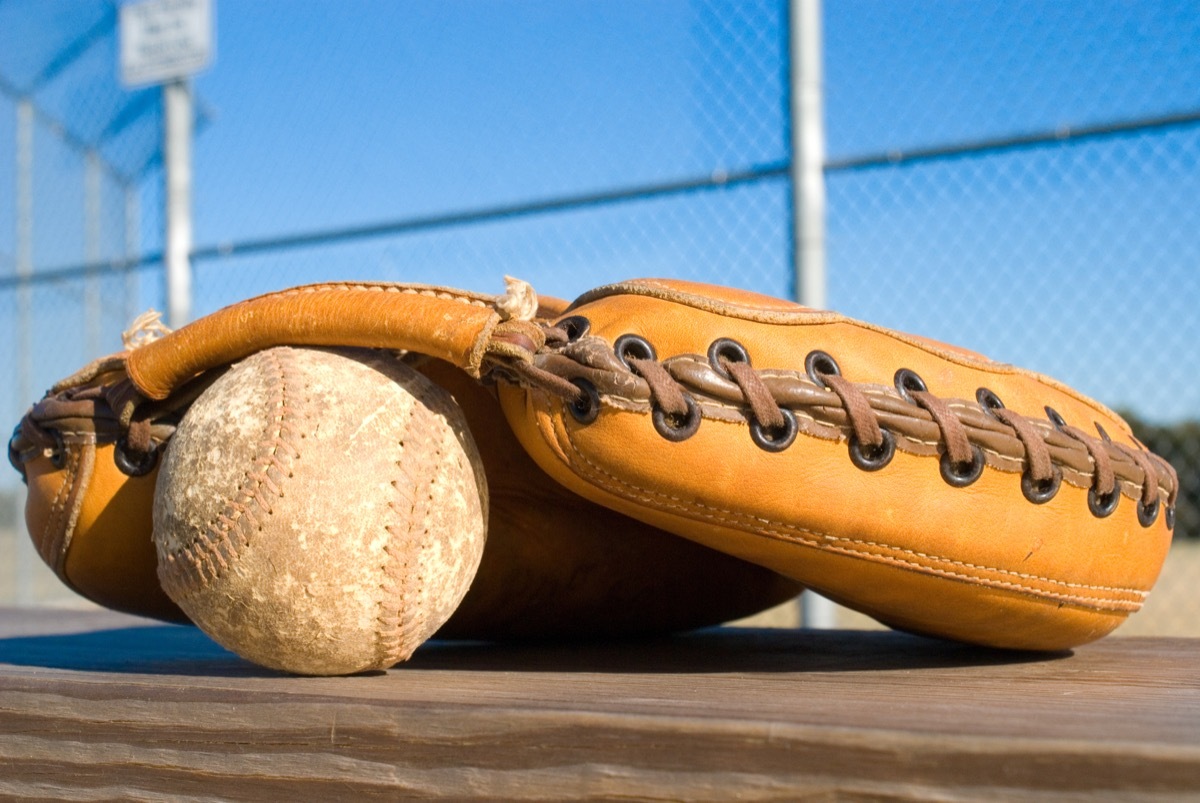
(99, 706)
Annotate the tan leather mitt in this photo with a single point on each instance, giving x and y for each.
(555, 564)
(927, 486)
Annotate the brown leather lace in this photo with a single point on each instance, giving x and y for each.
(1149, 487)
(664, 390)
(763, 406)
(1037, 456)
(954, 434)
(1106, 481)
(670, 395)
(114, 413)
(539, 377)
(863, 421)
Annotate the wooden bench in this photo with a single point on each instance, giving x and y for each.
(98, 705)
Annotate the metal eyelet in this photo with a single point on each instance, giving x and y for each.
(1041, 492)
(908, 380)
(775, 440)
(586, 407)
(676, 428)
(58, 452)
(730, 350)
(988, 400)
(873, 458)
(1171, 517)
(1147, 513)
(817, 363)
(130, 467)
(576, 326)
(633, 346)
(1057, 420)
(960, 475)
(1103, 506)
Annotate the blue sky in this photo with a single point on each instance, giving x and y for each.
(392, 109)
(401, 109)
(330, 117)
(1070, 260)
(902, 73)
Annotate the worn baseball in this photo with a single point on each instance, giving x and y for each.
(320, 512)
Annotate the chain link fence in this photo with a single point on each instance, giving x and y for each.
(73, 149)
(1019, 178)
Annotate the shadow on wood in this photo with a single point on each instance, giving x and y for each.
(180, 650)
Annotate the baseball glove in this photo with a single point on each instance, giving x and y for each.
(555, 564)
(924, 485)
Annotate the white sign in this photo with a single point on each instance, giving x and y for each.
(164, 39)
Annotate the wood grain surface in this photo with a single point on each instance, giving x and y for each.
(99, 706)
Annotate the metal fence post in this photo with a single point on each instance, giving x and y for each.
(808, 151)
(177, 155)
(808, 197)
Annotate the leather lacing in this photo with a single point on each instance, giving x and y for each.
(871, 445)
(115, 414)
(140, 428)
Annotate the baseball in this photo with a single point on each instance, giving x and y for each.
(320, 512)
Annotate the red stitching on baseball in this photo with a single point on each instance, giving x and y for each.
(226, 535)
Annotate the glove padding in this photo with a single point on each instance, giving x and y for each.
(555, 564)
(924, 485)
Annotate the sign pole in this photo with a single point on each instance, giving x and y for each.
(177, 158)
(165, 42)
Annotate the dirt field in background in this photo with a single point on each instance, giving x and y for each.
(1174, 605)
(16, 553)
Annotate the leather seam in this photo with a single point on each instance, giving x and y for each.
(81, 482)
(783, 531)
(412, 290)
(52, 547)
(226, 535)
(1113, 603)
(394, 615)
(155, 391)
(56, 513)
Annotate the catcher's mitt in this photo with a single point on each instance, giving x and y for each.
(555, 564)
(927, 486)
